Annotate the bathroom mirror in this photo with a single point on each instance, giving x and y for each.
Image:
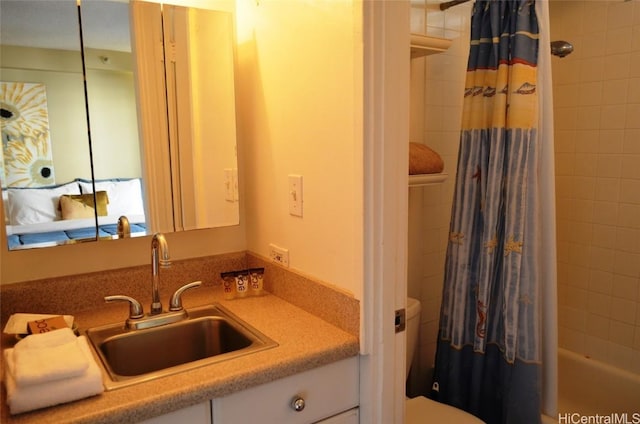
(171, 194)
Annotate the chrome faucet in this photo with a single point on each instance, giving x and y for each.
(137, 319)
(159, 258)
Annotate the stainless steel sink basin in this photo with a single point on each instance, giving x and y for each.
(210, 334)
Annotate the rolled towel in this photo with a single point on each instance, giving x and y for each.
(424, 160)
(28, 398)
(50, 356)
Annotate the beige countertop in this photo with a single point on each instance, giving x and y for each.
(304, 342)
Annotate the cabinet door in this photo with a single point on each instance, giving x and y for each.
(351, 416)
(196, 414)
(324, 392)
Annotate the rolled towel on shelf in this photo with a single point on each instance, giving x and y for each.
(45, 357)
(23, 398)
(424, 160)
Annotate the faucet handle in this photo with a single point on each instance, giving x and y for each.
(135, 308)
(176, 300)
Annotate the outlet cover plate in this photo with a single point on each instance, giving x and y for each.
(279, 254)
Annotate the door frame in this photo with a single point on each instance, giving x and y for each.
(386, 76)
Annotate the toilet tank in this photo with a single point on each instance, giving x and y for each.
(413, 324)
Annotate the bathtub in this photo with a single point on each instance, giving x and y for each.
(587, 387)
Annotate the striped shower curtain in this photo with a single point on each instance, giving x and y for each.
(489, 353)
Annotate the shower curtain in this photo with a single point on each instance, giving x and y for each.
(501, 253)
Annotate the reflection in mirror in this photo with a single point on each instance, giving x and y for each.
(184, 179)
(198, 163)
(112, 116)
(44, 132)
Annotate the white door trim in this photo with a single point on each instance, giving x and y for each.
(386, 144)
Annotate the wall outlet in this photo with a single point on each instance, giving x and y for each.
(279, 255)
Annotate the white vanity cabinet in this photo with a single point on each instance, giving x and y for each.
(323, 395)
(195, 414)
(328, 394)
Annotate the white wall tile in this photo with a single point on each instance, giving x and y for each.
(614, 116)
(626, 287)
(607, 189)
(591, 93)
(628, 240)
(630, 191)
(624, 310)
(585, 164)
(601, 282)
(605, 213)
(615, 92)
(598, 326)
(634, 91)
(619, 40)
(631, 142)
(604, 236)
(587, 141)
(609, 165)
(611, 141)
(581, 209)
(571, 339)
(578, 276)
(633, 115)
(634, 60)
(621, 333)
(602, 259)
(630, 166)
(626, 263)
(589, 118)
(629, 215)
(622, 68)
(619, 14)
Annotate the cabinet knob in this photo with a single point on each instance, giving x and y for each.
(297, 403)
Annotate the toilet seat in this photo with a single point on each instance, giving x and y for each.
(421, 410)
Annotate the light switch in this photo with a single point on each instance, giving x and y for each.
(295, 195)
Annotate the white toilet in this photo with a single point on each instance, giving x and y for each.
(420, 409)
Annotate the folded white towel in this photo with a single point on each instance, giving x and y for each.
(28, 398)
(50, 356)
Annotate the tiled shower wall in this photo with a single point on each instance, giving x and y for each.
(437, 88)
(597, 138)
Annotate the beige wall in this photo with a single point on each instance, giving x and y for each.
(597, 134)
(301, 113)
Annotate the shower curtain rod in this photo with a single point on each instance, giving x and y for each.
(448, 4)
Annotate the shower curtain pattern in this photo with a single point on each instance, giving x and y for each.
(489, 346)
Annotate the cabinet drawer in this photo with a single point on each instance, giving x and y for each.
(326, 391)
(195, 414)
